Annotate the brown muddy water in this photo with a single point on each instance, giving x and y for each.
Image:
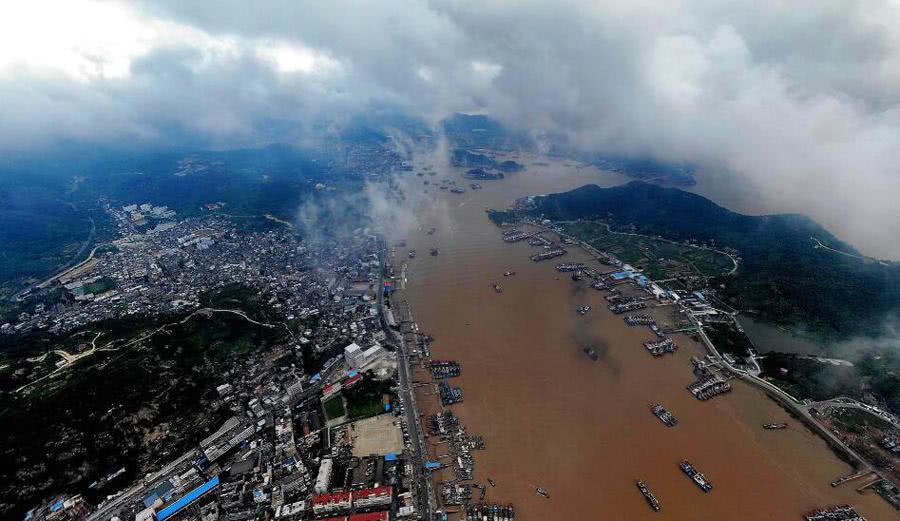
(552, 418)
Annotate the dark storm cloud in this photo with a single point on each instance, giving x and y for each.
(795, 104)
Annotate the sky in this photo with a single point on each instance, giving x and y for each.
(789, 105)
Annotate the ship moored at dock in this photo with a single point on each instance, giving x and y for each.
(558, 252)
(836, 513)
(662, 347)
(484, 512)
(570, 266)
(441, 369)
(516, 236)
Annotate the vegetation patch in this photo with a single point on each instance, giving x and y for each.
(334, 408)
(784, 275)
(101, 409)
(99, 286)
(367, 397)
(729, 339)
(658, 258)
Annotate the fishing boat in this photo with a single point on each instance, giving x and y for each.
(651, 499)
(698, 478)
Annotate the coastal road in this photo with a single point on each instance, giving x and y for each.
(843, 402)
(423, 494)
(801, 409)
(798, 407)
(820, 245)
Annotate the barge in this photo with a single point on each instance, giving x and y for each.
(651, 499)
(696, 476)
(664, 415)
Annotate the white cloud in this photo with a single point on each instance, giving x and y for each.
(799, 107)
(289, 58)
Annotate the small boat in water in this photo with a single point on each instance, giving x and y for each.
(508, 273)
(651, 499)
(664, 415)
(696, 476)
(774, 426)
(542, 492)
(497, 287)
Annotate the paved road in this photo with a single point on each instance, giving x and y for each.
(423, 495)
(843, 402)
(786, 399)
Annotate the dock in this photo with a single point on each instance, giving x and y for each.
(850, 477)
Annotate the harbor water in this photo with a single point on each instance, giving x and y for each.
(552, 417)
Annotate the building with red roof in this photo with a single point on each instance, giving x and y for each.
(373, 497)
(371, 516)
(348, 383)
(331, 503)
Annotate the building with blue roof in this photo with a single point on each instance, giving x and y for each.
(187, 499)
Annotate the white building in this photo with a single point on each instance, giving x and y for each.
(354, 356)
(357, 358)
(370, 354)
(324, 476)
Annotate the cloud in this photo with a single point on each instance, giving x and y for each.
(799, 107)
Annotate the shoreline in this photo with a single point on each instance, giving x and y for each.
(552, 418)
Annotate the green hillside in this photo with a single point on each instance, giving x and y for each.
(783, 275)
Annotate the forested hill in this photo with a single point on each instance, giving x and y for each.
(783, 275)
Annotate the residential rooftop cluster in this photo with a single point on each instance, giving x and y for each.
(296, 445)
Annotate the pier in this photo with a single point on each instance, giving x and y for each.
(850, 477)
